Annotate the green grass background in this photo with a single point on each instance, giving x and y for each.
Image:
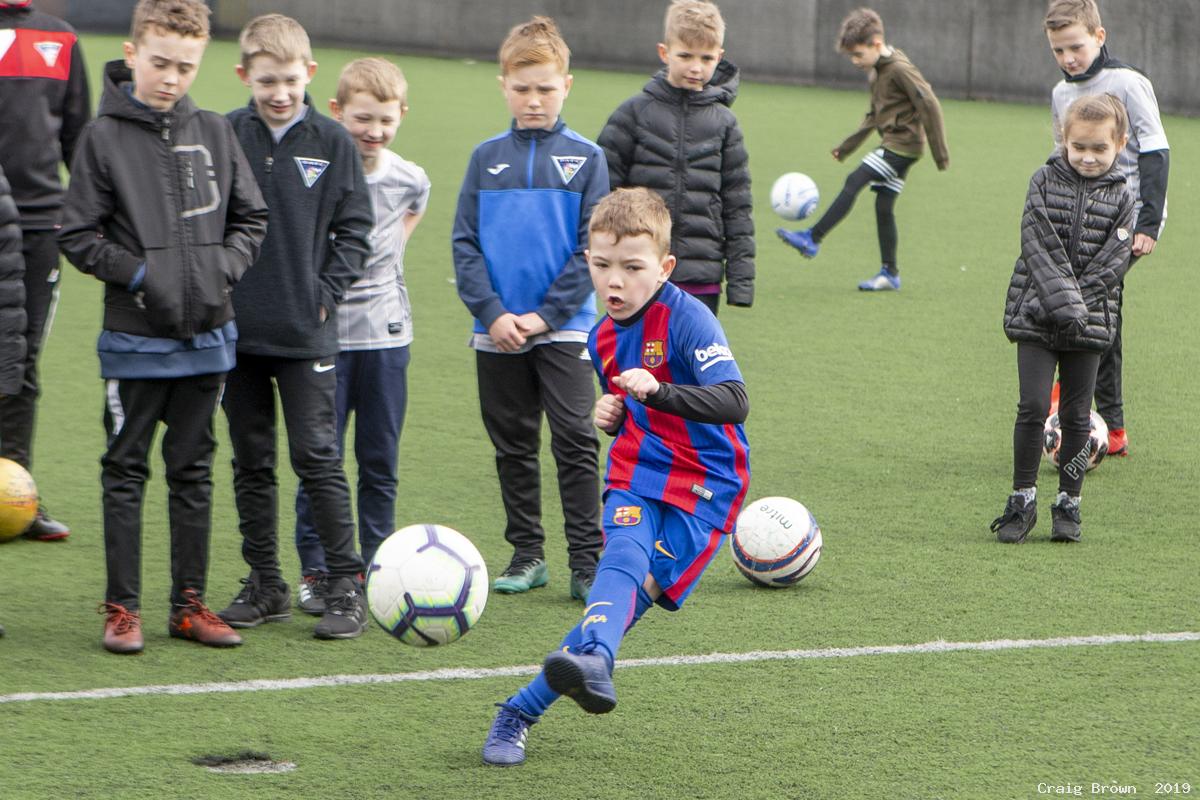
(889, 416)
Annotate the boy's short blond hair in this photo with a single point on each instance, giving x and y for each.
(695, 23)
(633, 212)
(860, 27)
(378, 77)
(1065, 13)
(1096, 108)
(277, 36)
(534, 43)
(184, 17)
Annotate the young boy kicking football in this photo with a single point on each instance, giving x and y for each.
(678, 468)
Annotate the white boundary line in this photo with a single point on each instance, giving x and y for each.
(668, 661)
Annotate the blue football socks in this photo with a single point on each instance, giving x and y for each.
(613, 599)
(616, 602)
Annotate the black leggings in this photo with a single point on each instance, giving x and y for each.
(1077, 374)
(885, 204)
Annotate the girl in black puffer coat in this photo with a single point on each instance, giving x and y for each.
(1076, 235)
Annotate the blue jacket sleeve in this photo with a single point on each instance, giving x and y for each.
(470, 270)
(573, 285)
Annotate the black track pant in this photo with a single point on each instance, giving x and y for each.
(306, 391)
(1077, 373)
(514, 390)
(132, 411)
(885, 204)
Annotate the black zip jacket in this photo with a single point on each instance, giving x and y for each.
(12, 295)
(45, 101)
(168, 190)
(316, 245)
(688, 147)
(1076, 237)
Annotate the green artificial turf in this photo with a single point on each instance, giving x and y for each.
(889, 416)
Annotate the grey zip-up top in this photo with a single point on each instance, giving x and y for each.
(1076, 235)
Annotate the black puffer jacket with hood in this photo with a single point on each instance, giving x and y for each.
(688, 147)
(12, 294)
(171, 191)
(1076, 235)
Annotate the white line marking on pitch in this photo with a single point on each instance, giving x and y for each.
(667, 661)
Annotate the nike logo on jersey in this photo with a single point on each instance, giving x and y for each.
(496, 169)
(658, 545)
(319, 367)
(568, 165)
(311, 169)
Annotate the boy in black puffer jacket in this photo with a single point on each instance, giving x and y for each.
(680, 138)
(1076, 239)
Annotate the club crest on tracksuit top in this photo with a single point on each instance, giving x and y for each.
(701, 468)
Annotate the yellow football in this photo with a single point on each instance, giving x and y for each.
(18, 499)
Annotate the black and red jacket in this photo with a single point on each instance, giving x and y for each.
(45, 104)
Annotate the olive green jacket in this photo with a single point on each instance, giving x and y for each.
(904, 110)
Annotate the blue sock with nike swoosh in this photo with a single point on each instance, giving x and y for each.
(613, 601)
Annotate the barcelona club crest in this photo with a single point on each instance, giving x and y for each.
(652, 353)
(627, 515)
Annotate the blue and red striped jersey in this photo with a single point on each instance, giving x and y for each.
(703, 469)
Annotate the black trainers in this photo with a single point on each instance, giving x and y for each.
(345, 610)
(256, 604)
(1017, 521)
(44, 528)
(1, 631)
(310, 594)
(1064, 515)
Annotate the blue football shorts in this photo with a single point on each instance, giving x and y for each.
(680, 545)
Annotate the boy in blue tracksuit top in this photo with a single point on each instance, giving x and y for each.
(519, 238)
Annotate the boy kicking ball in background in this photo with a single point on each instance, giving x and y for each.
(678, 469)
(905, 111)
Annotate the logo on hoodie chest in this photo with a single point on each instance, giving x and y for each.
(311, 169)
(568, 166)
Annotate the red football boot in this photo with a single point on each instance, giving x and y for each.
(1118, 442)
(122, 629)
(196, 622)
